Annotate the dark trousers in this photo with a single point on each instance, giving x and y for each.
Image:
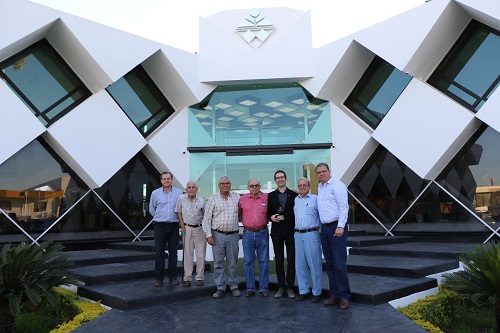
(335, 253)
(279, 243)
(166, 233)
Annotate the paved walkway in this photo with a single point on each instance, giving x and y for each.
(252, 315)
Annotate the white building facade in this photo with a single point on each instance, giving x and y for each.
(404, 112)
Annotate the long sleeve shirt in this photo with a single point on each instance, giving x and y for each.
(306, 212)
(253, 210)
(162, 204)
(333, 203)
(221, 214)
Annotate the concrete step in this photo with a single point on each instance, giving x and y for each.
(121, 271)
(398, 266)
(371, 240)
(106, 256)
(415, 249)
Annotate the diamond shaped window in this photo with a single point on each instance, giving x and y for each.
(44, 82)
(471, 71)
(376, 92)
(141, 100)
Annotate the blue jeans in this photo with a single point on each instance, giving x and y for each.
(256, 244)
(308, 258)
(166, 232)
(335, 252)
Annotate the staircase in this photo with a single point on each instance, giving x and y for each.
(380, 269)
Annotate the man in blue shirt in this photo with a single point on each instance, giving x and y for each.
(307, 242)
(333, 210)
(166, 225)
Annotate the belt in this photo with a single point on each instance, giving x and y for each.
(193, 225)
(255, 229)
(329, 224)
(226, 232)
(165, 222)
(302, 231)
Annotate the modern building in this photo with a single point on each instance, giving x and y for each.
(406, 113)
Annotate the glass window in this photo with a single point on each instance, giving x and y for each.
(206, 168)
(264, 114)
(376, 92)
(141, 100)
(473, 178)
(471, 70)
(386, 187)
(44, 82)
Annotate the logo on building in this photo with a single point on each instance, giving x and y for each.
(255, 28)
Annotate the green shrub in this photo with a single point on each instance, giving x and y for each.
(435, 312)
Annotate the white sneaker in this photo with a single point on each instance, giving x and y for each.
(218, 294)
(235, 292)
(280, 293)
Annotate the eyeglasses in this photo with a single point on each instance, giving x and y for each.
(303, 185)
(254, 185)
(225, 184)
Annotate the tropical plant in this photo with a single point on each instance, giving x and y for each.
(29, 272)
(479, 282)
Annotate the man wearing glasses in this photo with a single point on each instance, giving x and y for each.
(220, 224)
(253, 209)
(280, 212)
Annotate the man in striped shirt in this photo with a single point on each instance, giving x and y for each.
(220, 224)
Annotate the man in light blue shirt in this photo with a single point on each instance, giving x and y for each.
(307, 242)
(333, 209)
(166, 225)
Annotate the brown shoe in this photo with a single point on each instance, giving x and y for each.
(173, 280)
(158, 282)
(186, 283)
(264, 293)
(344, 304)
(200, 283)
(332, 301)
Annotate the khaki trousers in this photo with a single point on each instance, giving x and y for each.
(194, 240)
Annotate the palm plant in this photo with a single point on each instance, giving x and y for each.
(479, 282)
(29, 272)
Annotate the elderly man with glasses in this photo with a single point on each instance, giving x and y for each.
(220, 224)
(252, 207)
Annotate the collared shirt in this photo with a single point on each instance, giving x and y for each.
(332, 202)
(253, 210)
(221, 214)
(192, 211)
(306, 212)
(162, 205)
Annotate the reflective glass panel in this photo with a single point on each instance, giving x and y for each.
(35, 195)
(44, 82)
(127, 193)
(377, 91)
(141, 100)
(473, 178)
(471, 70)
(386, 187)
(206, 168)
(266, 114)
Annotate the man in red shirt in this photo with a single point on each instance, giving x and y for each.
(253, 209)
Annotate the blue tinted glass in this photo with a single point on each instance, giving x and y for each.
(377, 91)
(249, 115)
(206, 168)
(141, 100)
(44, 82)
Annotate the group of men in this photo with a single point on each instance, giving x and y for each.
(304, 225)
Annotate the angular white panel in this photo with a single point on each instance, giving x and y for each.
(167, 148)
(395, 40)
(96, 139)
(489, 112)
(19, 124)
(352, 145)
(421, 127)
(285, 54)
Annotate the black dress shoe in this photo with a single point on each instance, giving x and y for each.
(301, 297)
(316, 299)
